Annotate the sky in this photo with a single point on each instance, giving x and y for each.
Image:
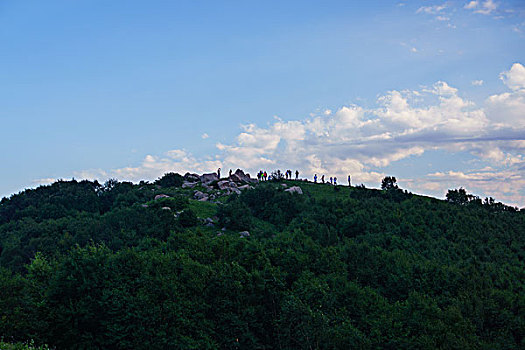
(431, 92)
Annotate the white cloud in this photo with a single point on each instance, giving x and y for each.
(515, 77)
(361, 141)
(483, 7)
(205, 136)
(477, 82)
(508, 108)
(44, 181)
(472, 5)
(432, 10)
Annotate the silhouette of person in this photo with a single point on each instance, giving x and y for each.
(297, 174)
(335, 181)
(315, 178)
(322, 179)
(331, 180)
(219, 173)
(230, 173)
(349, 183)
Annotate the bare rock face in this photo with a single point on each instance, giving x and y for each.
(294, 189)
(245, 187)
(159, 196)
(207, 178)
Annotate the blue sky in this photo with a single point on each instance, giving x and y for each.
(432, 92)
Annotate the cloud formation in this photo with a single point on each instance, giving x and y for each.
(483, 7)
(363, 141)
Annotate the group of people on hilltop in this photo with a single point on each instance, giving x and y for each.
(263, 176)
(333, 180)
(288, 174)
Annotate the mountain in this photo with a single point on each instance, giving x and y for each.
(197, 262)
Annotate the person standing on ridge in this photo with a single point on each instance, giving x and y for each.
(349, 183)
(297, 174)
(331, 181)
(322, 179)
(315, 178)
(230, 173)
(219, 173)
(335, 181)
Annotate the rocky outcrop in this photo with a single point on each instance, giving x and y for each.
(244, 234)
(207, 178)
(240, 176)
(294, 189)
(187, 184)
(191, 177)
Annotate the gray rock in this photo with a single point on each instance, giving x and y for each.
(207, 178)
(209, 225)
(294, 189)
(241, 176)
(159, 196)
(199, 195)
(284, 185)
(191, 177)
(187, 184)
(224, 184)
(144, 205)
(244, 234)
(166, 208)
(245, 187)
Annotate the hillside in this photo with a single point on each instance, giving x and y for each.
(198, 263)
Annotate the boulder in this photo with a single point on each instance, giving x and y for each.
(207, 178)
(244, 234)
(231, 190)
(191, 177)
(242, 176)
(199, 195)
(159, 196)
(294, 189)
(236, 178)
(245, 187)
(187, 184)
(284, 185)
(224, 184)
(166, 208)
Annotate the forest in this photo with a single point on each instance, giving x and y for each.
(118, 265)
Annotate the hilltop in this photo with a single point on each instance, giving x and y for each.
(199, 262)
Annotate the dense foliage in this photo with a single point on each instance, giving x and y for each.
(87, 266)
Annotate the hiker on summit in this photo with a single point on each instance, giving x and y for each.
(230, 173)
(297, 174)
(315, 178)
(265, 175)
(322, 179)
(331, 180)
(335, 181)
(219, 173)
(349, 183)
